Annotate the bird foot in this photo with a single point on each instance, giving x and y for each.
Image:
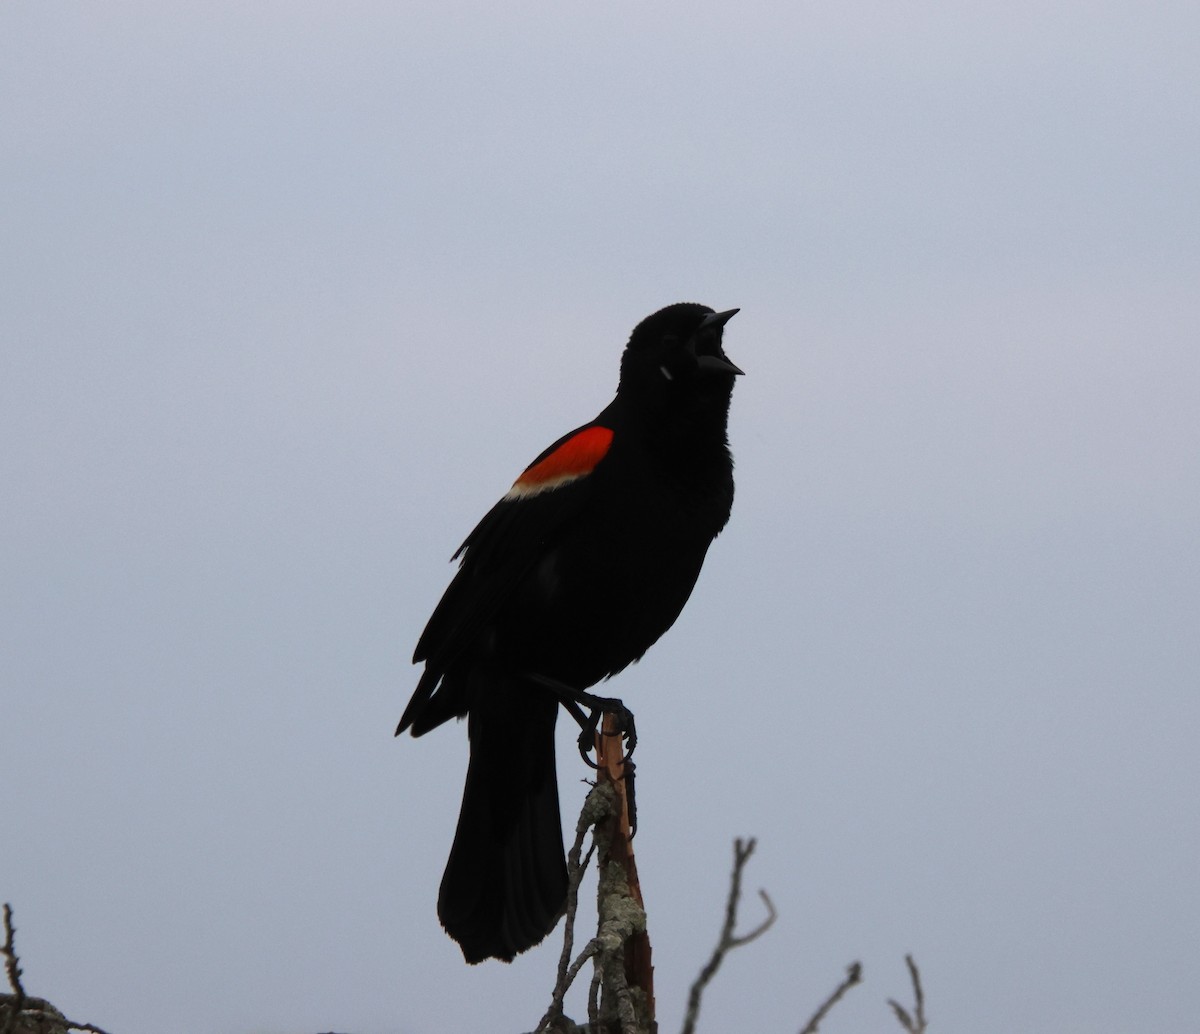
(576, 700)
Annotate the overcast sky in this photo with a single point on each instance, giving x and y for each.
(290, 293)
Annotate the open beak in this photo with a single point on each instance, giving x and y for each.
(715, 363)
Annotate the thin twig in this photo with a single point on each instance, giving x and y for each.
(49, 1017)
(566, 970)
(853, 976)
(594, 994)
(915, 1022)
(597, 805)
(12, 967)
(39, 1009)
(742, 850)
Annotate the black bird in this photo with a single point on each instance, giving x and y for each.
(570, 577)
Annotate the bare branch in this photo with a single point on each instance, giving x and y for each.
(597, 806)
(621, 905)
(594, 996)
(853, 976)
(742, 850)
(621, 991)
(622, 1002)
(18, 1005)
(13, 969)
(915, 1022)
(50, 1019)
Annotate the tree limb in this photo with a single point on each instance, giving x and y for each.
(728, 940)
(914, 1022)
(19, 1007)
(853, 976)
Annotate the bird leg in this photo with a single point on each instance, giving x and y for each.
(576, 700)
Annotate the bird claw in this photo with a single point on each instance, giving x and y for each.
(626, 729)
(587, 740)
(630, 798)
(575, 700)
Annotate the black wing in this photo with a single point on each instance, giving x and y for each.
(495, 558)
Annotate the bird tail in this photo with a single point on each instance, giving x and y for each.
(505, 885)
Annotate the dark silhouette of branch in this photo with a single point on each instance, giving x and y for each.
(12, 967)
(914, 1022)
(742, 850)
(19, 1007)
(853, 976)
(598, 806)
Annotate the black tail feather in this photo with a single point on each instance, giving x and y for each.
(505, 885)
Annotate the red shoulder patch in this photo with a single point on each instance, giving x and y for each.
(574, 458)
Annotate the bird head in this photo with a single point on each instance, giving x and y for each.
(678, 349)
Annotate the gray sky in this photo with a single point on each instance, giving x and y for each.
(291, 292)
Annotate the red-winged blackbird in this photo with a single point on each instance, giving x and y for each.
(569, 578)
